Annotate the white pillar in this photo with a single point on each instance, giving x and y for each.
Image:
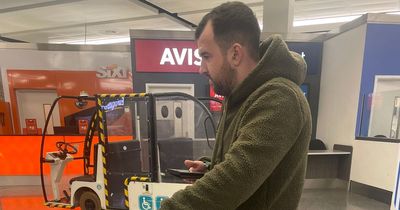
(278, 16)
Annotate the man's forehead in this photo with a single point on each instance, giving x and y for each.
(206, 37)
(207, 32)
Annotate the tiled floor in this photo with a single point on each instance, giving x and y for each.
(337, 199)
(22, 198)
(29, 197)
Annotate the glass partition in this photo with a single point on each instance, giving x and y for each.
(185, 131)
(395, 125)
(381, 115)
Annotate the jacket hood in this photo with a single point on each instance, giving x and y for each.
(275, 61)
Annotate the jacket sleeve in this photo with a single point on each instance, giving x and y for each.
(267, 131)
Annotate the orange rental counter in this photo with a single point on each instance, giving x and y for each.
(20, 155)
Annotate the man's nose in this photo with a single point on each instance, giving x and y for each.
(202, 68)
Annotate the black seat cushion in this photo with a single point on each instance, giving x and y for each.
(86, 178)
(317, 144)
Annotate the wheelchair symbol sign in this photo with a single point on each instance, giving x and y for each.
(145, 202)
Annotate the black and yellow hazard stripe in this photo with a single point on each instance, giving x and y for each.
(123, 95)
(103, 137)
(103, 142)
(59, 205)
(132, 179)
(88, 141)
(92, 128)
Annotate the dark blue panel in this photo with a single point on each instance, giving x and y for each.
(381, 57)
(312, 52)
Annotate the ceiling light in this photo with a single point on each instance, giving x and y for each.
(393, 13)
(95, 41)
(320, 21)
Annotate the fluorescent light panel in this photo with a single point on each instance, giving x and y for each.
(95, 41)
(320, 21)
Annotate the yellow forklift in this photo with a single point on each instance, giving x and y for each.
(133, 150)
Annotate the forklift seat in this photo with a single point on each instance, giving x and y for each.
(86, 178)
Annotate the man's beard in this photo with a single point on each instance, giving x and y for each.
(224, 86)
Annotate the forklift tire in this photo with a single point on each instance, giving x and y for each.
(89, 201)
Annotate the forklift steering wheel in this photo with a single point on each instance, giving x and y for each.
(66, 148)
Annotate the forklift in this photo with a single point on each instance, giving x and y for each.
(133, 150)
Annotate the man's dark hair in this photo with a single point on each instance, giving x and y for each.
(233, 22)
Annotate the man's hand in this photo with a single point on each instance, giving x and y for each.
(195, 166)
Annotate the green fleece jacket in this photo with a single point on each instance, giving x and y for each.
(259, 160)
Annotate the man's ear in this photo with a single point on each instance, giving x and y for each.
(236, 54)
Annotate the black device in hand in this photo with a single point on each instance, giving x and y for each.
(185, 174)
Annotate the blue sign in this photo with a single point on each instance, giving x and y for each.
(145, 202)
(111, 105)
(304, 88)
(159, 199)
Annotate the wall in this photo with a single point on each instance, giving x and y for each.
(201, 88)
(30, 106)
(64, 83)
(66, 72)
(57, 61)
(348, 72)
(374, 164)
(381, 57)
(340, 86)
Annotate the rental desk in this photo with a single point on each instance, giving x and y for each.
(327, 164)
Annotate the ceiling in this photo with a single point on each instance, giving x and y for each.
(88, 21)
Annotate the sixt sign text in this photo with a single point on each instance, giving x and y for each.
(112, 71)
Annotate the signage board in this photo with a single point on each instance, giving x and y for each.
(166, 56)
